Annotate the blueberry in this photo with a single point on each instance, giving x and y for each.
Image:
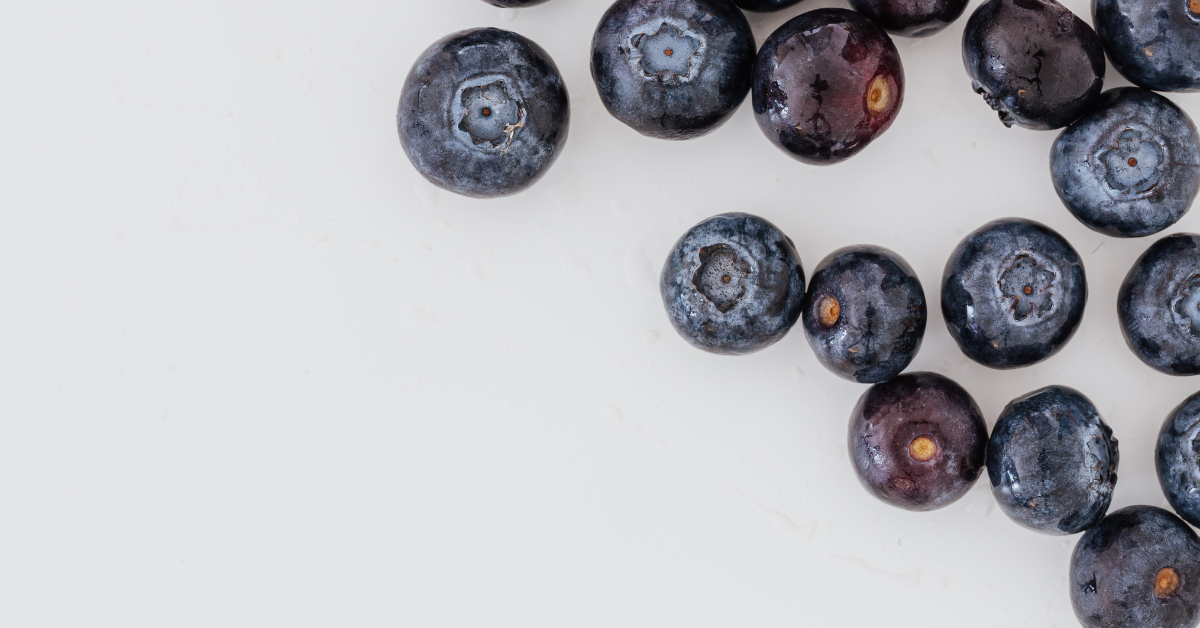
(1159, 305)
(733, 284)
(1153, 43)
(1129, 168)
(764, 5)
(1036, 63)
(515, 4)
(911, 18)
(1177, 459)
(483, 113)
(1013, 293)
(917, 441)
(1139, 567)
(1052, 461)
(826, 84)
(864, 314)
(672, 69)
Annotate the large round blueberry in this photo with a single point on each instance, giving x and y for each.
(1153, 43)
(1013, 293)
(733, 284)
(1159, 305)
(911, 18)
(1177, 458)
(826, 84)
(483, 113)
(1036, 63)
(1052, 461)
(1129, 168)
(672, 69)
(917, 441)
(764, 5)
(864, 314)
(515, 4)
(1139, 567)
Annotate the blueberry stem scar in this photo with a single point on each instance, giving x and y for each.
(922, 448)
(878, 95)
(828, 311)
(1166, 581)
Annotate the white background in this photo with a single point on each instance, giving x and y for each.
(255, 371)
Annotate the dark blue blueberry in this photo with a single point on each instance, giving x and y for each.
(917, 441)
(826, 84)
(911, 18)
(1013, 293)
(764, 5)
(1159, 305)
(1036, 63)
(1153, 43)
(1177, 458)
(672, 69)
(483, 113)
(733, 284)
(515, 4)
(1140, 567)
(1052, 461)
(1129, 168)
(864, 314)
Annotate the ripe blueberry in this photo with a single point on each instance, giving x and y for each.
(911, 18)
(1159, 305)
(1052, 461)
(1036, 63)
(483, 113)
(764, 5)
(826, 84)
(917, 441)
(1178, 461)
(672, 69)
(1013, 293)
(864, 314)
(1139, 567)
(1153, 43)
(1129, 168)
(733, 284)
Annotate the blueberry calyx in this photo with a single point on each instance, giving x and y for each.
(721, 276)
(670, 53)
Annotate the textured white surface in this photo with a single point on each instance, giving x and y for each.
(257, 372)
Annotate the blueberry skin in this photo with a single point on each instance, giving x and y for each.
(457, 145)
(514, 4)
(672, 69)
(733, 284)
(1052, 461)
(826, 84)
(1013, 293)
(1177, 459)
(1131, 167)
(911, 18)
(1036, 63)
(763, 6)
(1154, 44)
(1157, 305)
(1121, 571)
(891, 417)
(864, 314)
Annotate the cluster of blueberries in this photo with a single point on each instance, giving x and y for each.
(484, 113)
